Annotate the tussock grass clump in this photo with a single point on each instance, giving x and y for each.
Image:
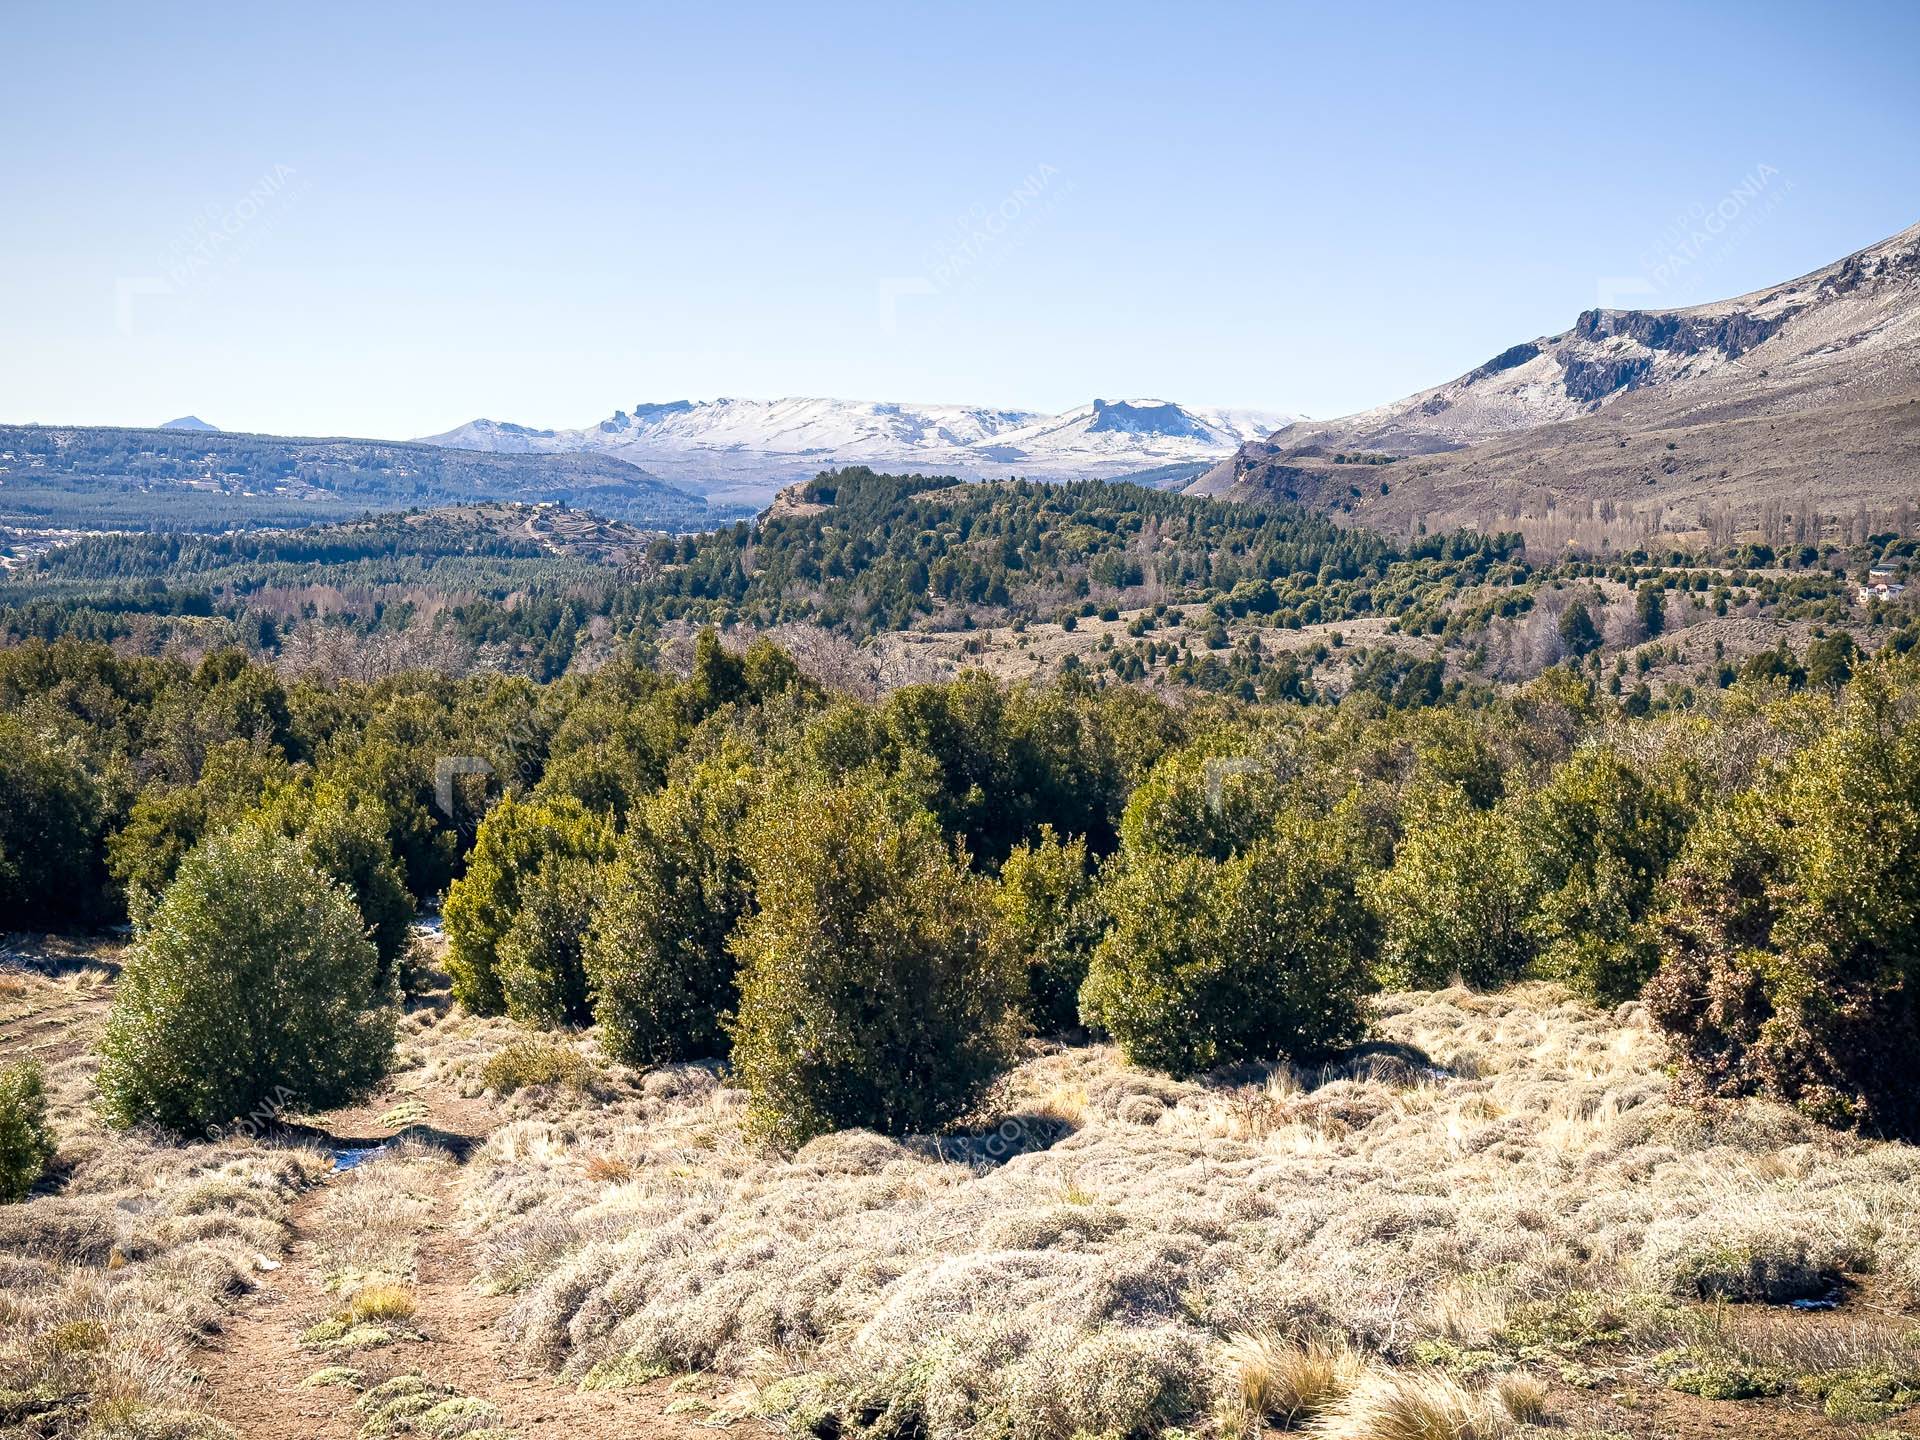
(379, 1302)
(1272, 1381)
(1523, 1397)
(1411, 1405)
(535, 1060)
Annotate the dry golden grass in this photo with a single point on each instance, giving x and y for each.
(1275, 1381)
(112, 1273)
(1413, 1405)
(1517, 1157)
(367, 1229)
(1523, 1397)
(380, 1301)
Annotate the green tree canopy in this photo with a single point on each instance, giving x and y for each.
(513, 842)
(657, 953)
(1257, 957)
(1792, 936)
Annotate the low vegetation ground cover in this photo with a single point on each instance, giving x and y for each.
(1494, 1214)
(128, 1252)
(1499, 1192)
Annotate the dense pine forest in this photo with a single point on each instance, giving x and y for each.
(1127, 583)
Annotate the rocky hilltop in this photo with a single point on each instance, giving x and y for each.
(1805, 394)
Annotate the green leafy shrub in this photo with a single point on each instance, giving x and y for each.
(1211, 798)
(1602, 834)
(657, 953)
(48, 824)
(346, 839)
(26, 1140)
(1210, 962)
(875, 990)
(1791, 938)
(1050, 907)
(542, 979)
(167, 821)
(1457, 897)
(1867, 1395)
(251, 988)
(508, 850)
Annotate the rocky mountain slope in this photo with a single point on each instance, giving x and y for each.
(1802, 395)
(745, 450)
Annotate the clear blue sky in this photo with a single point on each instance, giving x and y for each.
(385, 220)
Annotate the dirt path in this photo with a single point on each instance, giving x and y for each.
(255, 1368)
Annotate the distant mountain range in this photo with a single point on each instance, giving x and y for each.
(190, 422)
(103, 478)
(744, 451)
(1805, 394)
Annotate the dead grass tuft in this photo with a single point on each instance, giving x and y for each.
(1499, 1172)
(379, 1302)
(536, 1061)
(1274, 1381)
(1412, 1405)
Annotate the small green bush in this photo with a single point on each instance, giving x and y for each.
(49, 821)
(346, 839)
(1456, 898)
(875, 990)
(26, 1140)
(1601, 833)
(167, 821)
(1791, 940)
(1867, 1395)
(251, 988)
(540, 972)
(1211, 962)
(512, 842)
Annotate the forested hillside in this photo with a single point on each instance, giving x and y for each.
(882, 580)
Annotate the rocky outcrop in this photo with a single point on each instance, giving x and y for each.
(1676, 331)
(1513, 355)
(1590, 381)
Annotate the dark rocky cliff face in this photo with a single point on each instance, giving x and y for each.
(1732, 335)
(1592, 380)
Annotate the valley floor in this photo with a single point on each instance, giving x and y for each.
(1493, 1212)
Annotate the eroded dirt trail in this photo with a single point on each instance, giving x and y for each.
(258, 1372)
(255, 1367)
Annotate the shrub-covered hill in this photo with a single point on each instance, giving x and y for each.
(865, 552)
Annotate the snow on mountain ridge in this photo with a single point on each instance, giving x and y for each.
(744, 450)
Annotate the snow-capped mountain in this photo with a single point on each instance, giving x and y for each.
(745, 450)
